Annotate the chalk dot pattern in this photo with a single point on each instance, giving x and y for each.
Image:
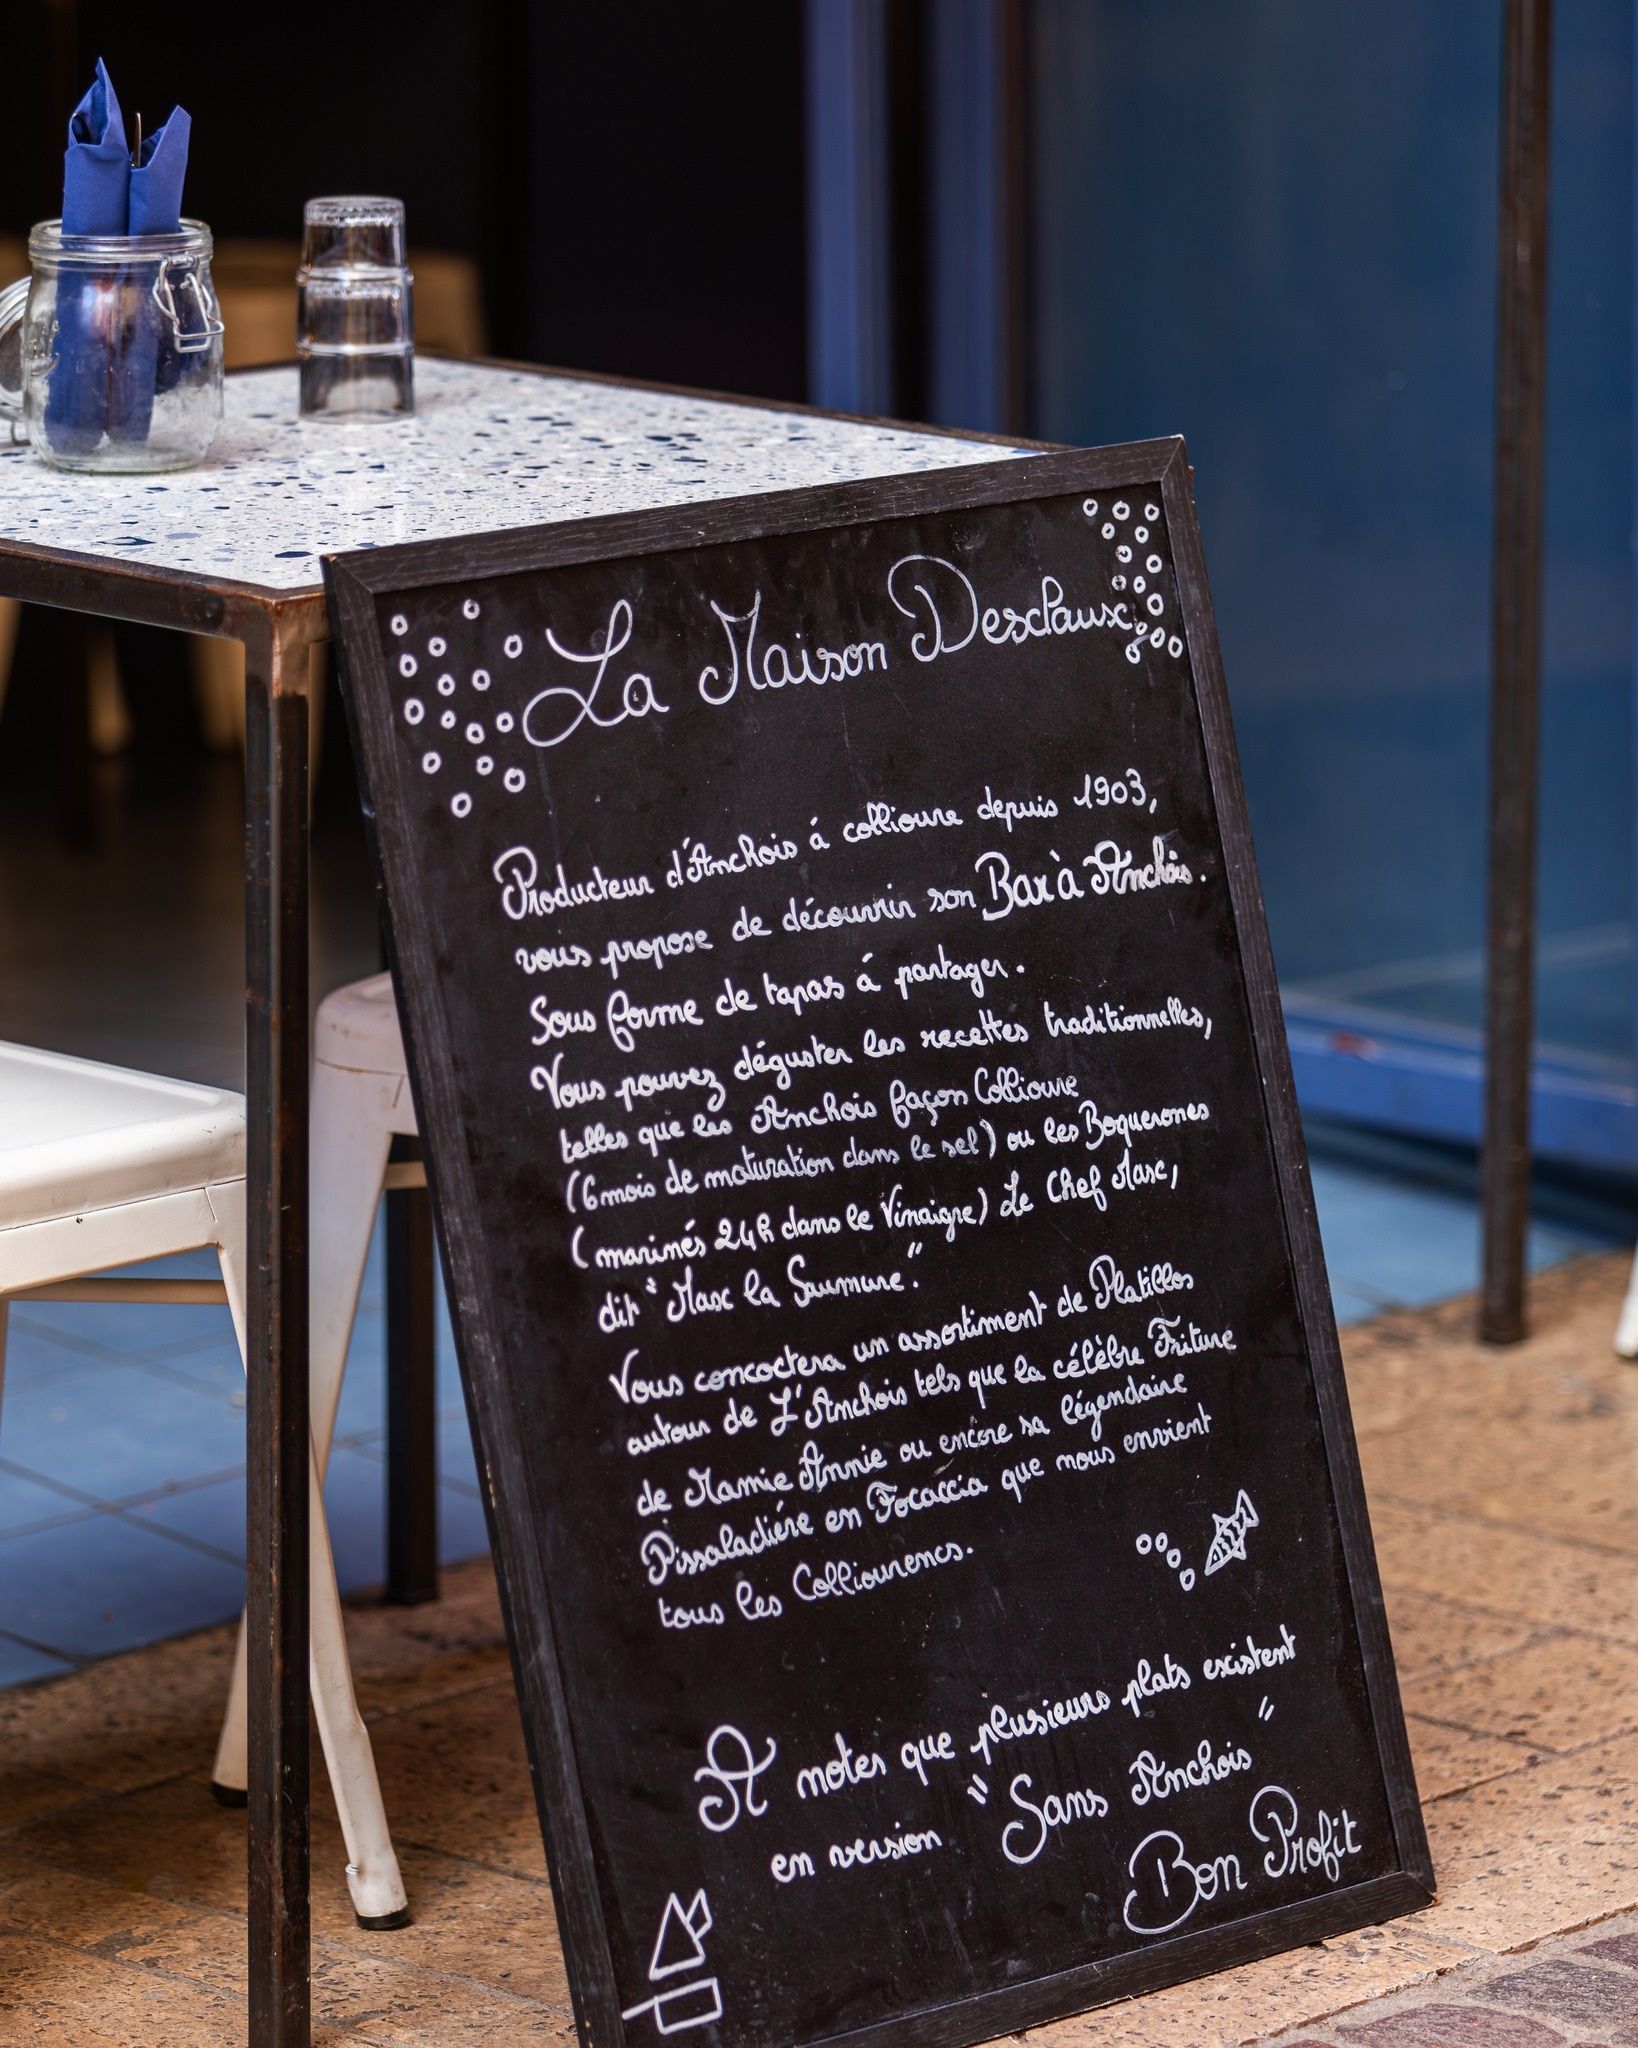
(472, 735)
(1135, 527)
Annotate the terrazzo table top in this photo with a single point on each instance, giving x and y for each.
(487, 448)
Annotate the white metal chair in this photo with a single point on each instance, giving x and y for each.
(360, 1102)
(101, 1167)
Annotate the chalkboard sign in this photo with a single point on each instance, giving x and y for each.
(881, 1251)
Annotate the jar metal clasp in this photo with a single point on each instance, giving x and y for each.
(189, 340)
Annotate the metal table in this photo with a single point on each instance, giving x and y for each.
(233, 548)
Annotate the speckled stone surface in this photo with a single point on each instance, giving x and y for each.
(1577, 1991)
(122, 1883)
(485, 449)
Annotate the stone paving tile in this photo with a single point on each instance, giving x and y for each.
(380, 2002)
(1533, 1853)
(1558, 1693)
(1439, 2025)
(361, 1997)
(24, 1792)
(406, 1657)
(469, 1922)
(1448, 1759)
(49, 1994)
(1393, 1381)
(1548, 1437)
(1580, 1990)
(85, 1912)
(1562, 1477)
(367, 1997)
(170, 1839)
(174, 1841)
(1569, 1991)
(1428, 1365)
(1260, 1998)
(1509, 1572)
(112, 1731)
(455, 1778)
(125, 1721)
(1497, 1398)
(1434, 1634)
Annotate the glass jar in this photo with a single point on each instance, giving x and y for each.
(111, 351)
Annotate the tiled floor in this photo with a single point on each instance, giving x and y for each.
(1506, 1517)
(1401, 1223)
(122, 1483)
(122, 1486)
(1588, 1983)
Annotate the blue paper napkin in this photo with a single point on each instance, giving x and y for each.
(96, 201)
(109, 345)
(156, 182)
(147, 359)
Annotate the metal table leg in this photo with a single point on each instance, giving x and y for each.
(1521, 392)
(277, 1034)
(412, 1398)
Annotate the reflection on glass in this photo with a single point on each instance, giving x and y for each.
(1272, 228)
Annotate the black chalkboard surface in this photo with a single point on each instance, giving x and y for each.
(881, 1251)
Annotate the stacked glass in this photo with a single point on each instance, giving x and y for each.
(355, 330)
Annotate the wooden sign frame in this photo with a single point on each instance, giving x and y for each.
(512, 1489)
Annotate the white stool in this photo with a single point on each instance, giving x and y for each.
(99, 1167)
(360, 1102)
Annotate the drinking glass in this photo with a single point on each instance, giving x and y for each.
(355, 334)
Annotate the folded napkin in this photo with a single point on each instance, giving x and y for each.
(156, 178)
(96, 201)
(97, 163)
(113, 347)
(147, 359)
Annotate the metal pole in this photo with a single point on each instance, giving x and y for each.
(1515, 686)
(277, 1035)
(978, 311)
(412, 1397)
(850, 296)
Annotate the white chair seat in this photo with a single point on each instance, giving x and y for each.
(76, 1136)
(357, 1028)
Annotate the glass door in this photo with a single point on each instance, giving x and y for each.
(1272, 227)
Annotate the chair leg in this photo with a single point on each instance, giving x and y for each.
(351, 1113)
(351, 1117)
(1626, 1328)
(351, 1138)
(229, 1774)
(372, 1865)
(373, 1876)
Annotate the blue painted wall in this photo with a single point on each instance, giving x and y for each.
(1270, 225)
